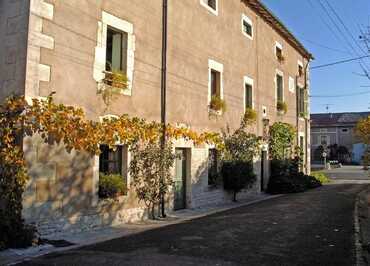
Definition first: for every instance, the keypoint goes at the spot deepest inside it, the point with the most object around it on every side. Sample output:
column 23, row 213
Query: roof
column 275, row 23
column 337, row 119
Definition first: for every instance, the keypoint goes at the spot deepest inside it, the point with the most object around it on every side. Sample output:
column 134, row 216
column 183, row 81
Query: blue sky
column 305, row 19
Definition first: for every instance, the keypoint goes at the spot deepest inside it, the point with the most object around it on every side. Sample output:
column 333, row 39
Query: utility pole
column 163, row 94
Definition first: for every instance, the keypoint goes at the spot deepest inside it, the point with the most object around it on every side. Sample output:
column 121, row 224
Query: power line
column 338, row 96
column 325, row 47
column 340, row 62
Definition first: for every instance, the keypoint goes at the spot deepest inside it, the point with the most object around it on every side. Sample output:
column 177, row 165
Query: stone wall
column 14, row 16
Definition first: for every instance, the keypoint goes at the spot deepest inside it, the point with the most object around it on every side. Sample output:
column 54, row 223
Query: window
column 279, row 88
column 215, row 83
column 212, row 166
column 110, row 161
column 247, row 28
column 116, row 50
column 279, row 51
column 301, row 101
column 345, row 130
column 211, row 5
column 248, row 93
column 324, row 140
column 300, row 69
column 291, row 84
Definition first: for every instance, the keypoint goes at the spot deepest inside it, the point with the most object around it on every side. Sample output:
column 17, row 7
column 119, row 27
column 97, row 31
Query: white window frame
column 280, row 73
column 204, row 3
column 109, row 20
column 299, row 64
column 278, row 45
column 214, row 65
column 292, row 85
column 245, row 18
column 248, row 81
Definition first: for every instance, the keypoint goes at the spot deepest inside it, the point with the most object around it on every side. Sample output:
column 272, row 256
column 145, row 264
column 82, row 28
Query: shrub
column 111, row 186
column 282, row 107
column 217, row 104
column 286, row 178
column 321, row 177
column 281, row 140
column 237, row 175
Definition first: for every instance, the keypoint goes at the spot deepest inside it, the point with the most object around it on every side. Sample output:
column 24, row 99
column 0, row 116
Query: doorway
column 180, row 179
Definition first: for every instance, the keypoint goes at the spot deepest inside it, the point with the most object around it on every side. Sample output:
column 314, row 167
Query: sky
column 309, row 22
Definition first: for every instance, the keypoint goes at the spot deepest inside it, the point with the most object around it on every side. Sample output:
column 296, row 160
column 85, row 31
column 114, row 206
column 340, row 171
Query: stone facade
column 65, row 46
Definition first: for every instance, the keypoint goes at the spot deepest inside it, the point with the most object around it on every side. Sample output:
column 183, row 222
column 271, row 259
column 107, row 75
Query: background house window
column 248, row 96
column 279, row 88
column 110, row 161
column 215, row 83
column 116, row 50
column 344, row 130
column 212, row 166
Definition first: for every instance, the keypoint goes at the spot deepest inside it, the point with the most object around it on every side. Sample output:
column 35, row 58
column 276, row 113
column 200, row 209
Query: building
column 337, row 129
column 235, row 50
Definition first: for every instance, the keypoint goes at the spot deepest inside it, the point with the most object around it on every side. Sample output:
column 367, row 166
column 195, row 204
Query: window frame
column 111, row 21
column 218, row 67
column 278, row 45
column 245, row 18
column 248, row 81
column 280, row 73
column 204, row 3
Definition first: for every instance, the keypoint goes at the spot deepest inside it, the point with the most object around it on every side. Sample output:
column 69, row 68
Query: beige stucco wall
column 13, row 34
column 63, row 186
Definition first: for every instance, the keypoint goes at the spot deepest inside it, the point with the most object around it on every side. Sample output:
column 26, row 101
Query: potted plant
column 250, row 117
column 282, row 107
column 217, row 104
column 116, row 79
column 111, row 186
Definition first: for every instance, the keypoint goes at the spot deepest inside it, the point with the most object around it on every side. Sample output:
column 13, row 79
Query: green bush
column 237, row 175
column 286, row 178
column 321, row 177
column 111, row 186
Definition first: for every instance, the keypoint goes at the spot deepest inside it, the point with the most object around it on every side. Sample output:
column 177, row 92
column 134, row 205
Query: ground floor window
column 112, row 171
column 212, row 167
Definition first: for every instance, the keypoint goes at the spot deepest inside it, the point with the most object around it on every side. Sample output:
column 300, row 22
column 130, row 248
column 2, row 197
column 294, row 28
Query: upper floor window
column 211, row 5
column 279, row 52
column 248, row 93
column 291, row 84
column 279, row 87
column 215, row 87
column 301, row 102
column 247, row 26
column 300, row 69
column 116, row 50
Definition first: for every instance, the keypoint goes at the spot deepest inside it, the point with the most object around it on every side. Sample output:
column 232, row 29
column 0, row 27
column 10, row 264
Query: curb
column 362, row 254
column 151, row 227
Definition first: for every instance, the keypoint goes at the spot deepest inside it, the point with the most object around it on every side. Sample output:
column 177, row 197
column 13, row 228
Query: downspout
column 163, row 90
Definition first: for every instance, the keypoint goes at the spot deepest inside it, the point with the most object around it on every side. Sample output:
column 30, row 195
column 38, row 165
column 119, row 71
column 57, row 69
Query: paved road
column 349, row 173
column 313, row 228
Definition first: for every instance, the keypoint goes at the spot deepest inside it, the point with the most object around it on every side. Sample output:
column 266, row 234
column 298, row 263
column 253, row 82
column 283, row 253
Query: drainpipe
column 163, row 89
column 306, row 120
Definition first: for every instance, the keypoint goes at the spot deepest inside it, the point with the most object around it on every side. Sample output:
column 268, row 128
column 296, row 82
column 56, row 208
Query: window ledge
column 102, row 86
column 214, row 112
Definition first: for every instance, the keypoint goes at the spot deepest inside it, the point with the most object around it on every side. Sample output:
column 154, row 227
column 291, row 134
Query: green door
column 180, row 180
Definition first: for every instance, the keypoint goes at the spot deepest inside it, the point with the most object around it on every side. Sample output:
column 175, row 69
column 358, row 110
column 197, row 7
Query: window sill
column 102, row 86
column 215, row 112
column 248, row 36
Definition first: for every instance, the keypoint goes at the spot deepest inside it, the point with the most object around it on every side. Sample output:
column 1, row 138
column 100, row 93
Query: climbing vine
column 281, row 140
column 58, row 123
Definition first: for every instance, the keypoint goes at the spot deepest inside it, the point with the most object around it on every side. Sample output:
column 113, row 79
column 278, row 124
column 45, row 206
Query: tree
column 281, row 140
column 150, row 169
column 362, row 131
